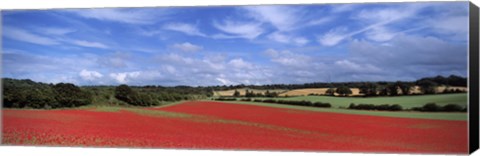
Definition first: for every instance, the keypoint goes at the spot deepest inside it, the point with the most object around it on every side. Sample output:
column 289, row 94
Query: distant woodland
column 29, row 94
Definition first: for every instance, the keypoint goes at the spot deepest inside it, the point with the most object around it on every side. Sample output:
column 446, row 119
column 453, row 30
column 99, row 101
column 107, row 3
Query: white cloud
column 295, row 67
column 410, row 56
column 282, row 38
column 276, row 36
column 170, row 69
column 378, row 17
column 224, row 36
column 336, row 35
column 224, row 81
column 173, row 57
column 281, row 17
column 194, row 70
column 319, row 21
column 287, row 58
column 239, row 63
column 45, row 68
column 380, row 34
column 456, row 25
column 124, row 77
column 360, row 59
column 248, row 30
column 187, row 47
column 115, row 60
column 25, row 36
column 89, row 44
column 184, row 28
column 389, row 14
column 300, row 41
column 146, row 75
column 131, row 16
column 333, row 37
column 350, row 66
column 90, row 75
column 285, row 18
column 213, row 64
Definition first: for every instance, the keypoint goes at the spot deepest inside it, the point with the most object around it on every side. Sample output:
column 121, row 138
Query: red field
column 215, row 125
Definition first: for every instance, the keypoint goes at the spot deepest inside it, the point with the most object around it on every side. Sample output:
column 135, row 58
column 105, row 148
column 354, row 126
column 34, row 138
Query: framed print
column 356, row 77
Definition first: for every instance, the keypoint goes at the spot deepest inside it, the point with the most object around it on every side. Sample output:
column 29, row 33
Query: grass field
column 401, row 114
column 405, row 101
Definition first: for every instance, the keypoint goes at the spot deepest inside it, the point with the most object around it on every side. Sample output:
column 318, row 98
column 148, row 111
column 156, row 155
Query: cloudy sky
column 236, row 45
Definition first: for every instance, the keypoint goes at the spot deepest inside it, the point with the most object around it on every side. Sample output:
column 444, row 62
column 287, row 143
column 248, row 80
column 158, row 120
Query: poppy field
column 217, row 125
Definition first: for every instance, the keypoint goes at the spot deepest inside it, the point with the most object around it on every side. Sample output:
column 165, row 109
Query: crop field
column 405, row 101
column 217, row 125
column 356, row 91
column 457, row 116
column 320, row 91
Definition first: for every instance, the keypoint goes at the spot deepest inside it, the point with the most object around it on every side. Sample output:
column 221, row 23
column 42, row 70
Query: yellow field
column 356, row 91
column 439, row 89
column 320, row 91
column 442, row 88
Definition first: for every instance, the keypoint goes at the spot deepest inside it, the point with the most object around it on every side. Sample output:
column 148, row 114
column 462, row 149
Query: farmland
column 308, row 91
column 64, row 114
column 386, row 78
column 405, row 101
column 402, row 114
column 204, row 124
column 322, row 91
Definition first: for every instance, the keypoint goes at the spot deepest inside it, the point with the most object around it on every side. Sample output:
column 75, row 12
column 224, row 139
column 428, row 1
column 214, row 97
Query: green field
column 401, row 114
column 405, row 101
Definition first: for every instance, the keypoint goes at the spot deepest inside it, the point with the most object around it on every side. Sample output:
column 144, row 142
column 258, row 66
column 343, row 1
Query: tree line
column 151, row 96
column 29, row 94
column 427, row 86
column 250, row 93
column 452, row 80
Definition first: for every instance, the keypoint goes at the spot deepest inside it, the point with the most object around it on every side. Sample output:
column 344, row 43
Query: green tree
column 405, row 87
column 249, row 93
column 330, row 92
column 125, row 93
column 270, row 94
column 382, row 90
column 143, row 97
column 343, row 91
column 236, row 93
column 368, row 89
column 27, row 93
column 427, row 86
column 69, row 95
column 392, row 89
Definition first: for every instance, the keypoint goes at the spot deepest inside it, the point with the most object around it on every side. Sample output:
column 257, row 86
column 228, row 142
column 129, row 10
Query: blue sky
column 224, row 45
